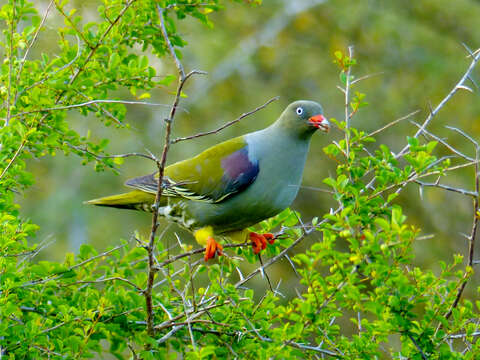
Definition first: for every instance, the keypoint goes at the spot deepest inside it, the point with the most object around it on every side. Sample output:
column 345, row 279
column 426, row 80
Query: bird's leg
column 212, row 248
column 260, row 241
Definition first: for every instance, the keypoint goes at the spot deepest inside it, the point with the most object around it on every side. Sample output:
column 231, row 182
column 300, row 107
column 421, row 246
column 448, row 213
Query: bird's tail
column 135, row 200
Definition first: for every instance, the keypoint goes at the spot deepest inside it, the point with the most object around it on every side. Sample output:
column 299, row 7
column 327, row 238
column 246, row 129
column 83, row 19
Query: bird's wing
column 212, row 176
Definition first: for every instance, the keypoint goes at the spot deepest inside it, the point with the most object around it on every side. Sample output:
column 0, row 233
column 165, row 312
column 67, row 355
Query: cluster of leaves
column 359, row 294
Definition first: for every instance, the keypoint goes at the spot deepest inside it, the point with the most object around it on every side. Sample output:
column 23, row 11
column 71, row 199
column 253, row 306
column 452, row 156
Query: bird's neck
column 289, row 130
column 276, row 141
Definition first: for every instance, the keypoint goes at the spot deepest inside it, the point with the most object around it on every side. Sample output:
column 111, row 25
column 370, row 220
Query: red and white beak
column 320, row 122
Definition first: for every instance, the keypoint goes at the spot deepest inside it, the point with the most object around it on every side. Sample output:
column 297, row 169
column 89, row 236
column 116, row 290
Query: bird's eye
column 299, row 111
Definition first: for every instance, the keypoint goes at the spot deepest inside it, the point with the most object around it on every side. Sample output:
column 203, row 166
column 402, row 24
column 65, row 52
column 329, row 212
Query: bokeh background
column 413, row 49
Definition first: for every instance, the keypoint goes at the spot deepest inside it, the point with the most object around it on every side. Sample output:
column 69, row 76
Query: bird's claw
column 259, row 241
column 212, row 248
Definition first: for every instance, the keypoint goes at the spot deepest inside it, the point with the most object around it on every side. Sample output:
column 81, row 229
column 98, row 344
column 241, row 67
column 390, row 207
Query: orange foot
column 260, row 241
column 212, row 248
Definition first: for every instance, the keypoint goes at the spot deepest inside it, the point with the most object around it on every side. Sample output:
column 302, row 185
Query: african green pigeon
column 232, row 185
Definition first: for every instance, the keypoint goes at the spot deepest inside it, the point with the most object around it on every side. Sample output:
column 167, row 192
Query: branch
column 175, row 5
column 161, row 167
column 448, row 188
column 459, row 85
column 415, row 177
column 10, row 63
column 461, row 336
column 230, row 123
column 394, row 122
column 101, row 157
column 471, row 238
column 34, row 39
column 178, row 64
column 94, row 49
column 424, row 357
column 49, row 75
column 99, row 281
column 14, row 157
column 307, row 231
column 443, row 142
column 197, row 251
column 87, row 103
column 347, row 103
column 56, row 275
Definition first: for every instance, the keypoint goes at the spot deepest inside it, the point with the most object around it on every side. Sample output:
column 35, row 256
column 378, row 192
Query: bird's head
column 304, row 118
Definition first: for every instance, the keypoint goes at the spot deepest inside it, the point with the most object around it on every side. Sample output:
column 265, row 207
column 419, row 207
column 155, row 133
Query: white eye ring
column 299, row 111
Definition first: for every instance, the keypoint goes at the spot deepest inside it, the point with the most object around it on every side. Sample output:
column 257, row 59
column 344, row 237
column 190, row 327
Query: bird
column 233, row 185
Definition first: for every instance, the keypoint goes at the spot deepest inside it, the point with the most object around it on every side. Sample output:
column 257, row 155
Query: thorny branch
column 434, row 112
column 471, row 238
column 161, row 167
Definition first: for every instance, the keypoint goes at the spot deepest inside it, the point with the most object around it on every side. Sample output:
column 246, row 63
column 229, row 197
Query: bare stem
column 100, row 41
column 230, row 123
column 152, row 269
column 471, row 238
column 87, row 103
column 394, row 122
column 10, row 64
column 434, row 112
column 12, row 160
column 347, row 103
column 34, row 39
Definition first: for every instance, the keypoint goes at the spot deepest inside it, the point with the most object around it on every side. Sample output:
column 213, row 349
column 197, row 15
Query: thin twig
column 197, row 251
column 424, row 357
column 415, row 177
column 50, row 74
column 365, row 77
column 347, row 103
column 10, row 64
column 87, row 103
column 445, row 100
column 230, row 123
column 264, row 272
column 80, row 264
column 464, row 134
column 471, row 238
column 172, row 6
column 100, row 41
column 166, row 38
column 275, row 258
column 460, row 336
column 152, row 269
column 101, row 157
column 14, row 157
column 448, row 188
column 34, row 39
column 443, row 142
column 99, row 281
column 394, row 122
